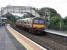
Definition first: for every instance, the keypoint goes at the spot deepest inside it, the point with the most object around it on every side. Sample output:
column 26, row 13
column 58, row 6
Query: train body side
column 32, row 23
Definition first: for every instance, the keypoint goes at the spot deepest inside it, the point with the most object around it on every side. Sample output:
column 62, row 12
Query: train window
column 39, row 21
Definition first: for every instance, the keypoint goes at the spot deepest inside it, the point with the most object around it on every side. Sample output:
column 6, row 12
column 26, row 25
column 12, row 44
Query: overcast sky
column 59, row 5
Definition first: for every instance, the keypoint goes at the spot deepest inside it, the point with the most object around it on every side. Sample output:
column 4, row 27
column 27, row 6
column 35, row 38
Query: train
column 33, row 24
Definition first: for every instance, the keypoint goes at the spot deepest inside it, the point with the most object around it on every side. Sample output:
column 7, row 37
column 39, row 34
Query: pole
column 47, row 12
column 60, row 24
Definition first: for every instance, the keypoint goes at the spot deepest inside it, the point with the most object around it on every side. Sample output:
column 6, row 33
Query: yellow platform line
column 24, row 40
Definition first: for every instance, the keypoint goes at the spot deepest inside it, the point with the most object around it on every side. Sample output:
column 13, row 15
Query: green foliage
column 65, row 23
column 65, row 20
column 55, row 22
column 43, row 10
column 11, row 17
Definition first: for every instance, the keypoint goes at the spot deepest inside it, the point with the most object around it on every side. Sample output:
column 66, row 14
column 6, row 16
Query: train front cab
column 38, row 25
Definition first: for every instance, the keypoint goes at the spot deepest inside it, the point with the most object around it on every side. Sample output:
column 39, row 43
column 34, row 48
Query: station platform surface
column 7, row 42
column 61, row 33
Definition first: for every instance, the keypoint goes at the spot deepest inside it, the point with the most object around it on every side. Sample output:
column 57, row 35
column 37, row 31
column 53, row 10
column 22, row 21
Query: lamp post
column 47, row 14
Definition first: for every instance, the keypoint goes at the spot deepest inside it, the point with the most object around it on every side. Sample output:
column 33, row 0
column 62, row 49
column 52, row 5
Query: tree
column 51, row 10
column 65, row 20
column 10, row 17
column 65, row 23
column 56, row 22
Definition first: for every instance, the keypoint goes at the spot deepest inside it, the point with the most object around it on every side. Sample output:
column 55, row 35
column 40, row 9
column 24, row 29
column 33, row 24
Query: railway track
column 50, row 41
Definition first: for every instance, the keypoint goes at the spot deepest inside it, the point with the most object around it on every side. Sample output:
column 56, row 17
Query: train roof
column 28, row 18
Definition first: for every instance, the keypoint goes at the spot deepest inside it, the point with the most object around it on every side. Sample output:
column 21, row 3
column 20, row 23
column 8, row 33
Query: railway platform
column 7, row 42
column 10, row 39
column 25, row 41
column 61, row 33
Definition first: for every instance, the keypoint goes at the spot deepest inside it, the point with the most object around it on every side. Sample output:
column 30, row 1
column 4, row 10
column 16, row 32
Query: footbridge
column 19, row 9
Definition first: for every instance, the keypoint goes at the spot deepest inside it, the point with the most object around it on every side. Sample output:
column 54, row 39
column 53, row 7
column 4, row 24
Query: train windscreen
column 39, row 21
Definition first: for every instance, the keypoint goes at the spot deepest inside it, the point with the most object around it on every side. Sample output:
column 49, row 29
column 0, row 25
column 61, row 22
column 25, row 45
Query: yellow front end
column 39, row 26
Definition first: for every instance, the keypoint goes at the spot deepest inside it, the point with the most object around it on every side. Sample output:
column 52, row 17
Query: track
column 50, row 41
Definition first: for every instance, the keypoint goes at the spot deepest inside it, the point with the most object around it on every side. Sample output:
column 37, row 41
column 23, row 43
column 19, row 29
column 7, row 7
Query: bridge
column 19, row 9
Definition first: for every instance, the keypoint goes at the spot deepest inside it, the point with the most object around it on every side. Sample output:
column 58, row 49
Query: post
column 60, row 25
column 47, row 13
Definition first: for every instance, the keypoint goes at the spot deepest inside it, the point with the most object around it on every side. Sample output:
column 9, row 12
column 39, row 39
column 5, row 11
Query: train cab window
column 39, row 21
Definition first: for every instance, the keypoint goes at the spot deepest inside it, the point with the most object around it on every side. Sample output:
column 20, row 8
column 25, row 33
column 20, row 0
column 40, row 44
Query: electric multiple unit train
column 35, row 24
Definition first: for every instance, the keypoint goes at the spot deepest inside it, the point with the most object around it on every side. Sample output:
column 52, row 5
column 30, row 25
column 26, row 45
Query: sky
column 59, row 5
